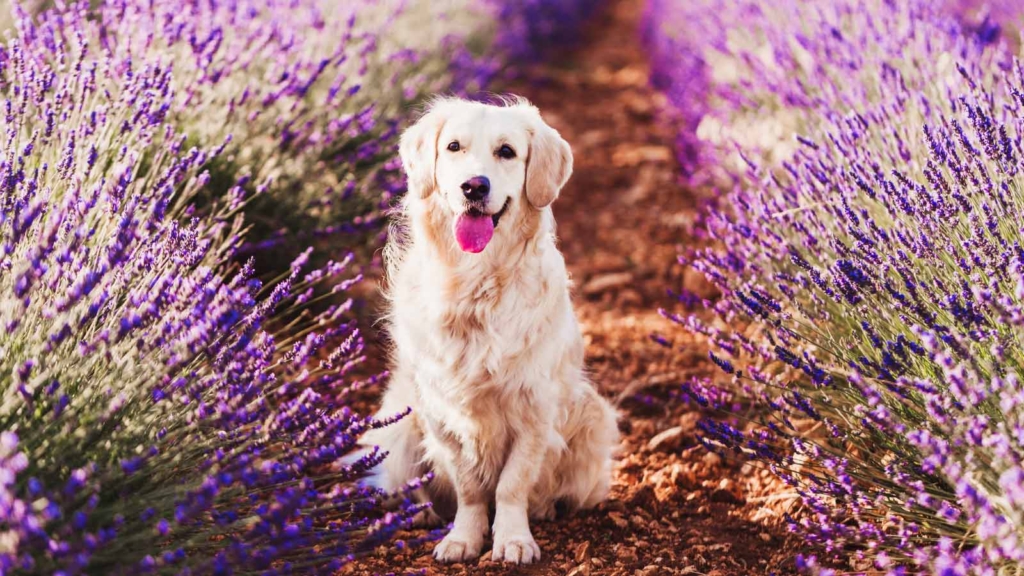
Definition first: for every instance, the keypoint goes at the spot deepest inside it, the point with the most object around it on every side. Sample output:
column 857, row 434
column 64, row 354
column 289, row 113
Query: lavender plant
column 745, row 77
column 149, row 419
column 1006, row 14
column 879, row 265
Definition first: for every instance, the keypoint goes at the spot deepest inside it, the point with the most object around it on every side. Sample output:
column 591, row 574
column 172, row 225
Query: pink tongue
column 473, row 232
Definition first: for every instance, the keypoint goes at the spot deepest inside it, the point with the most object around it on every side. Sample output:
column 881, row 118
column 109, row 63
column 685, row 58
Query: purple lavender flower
column 724, row 65
column 530, row 29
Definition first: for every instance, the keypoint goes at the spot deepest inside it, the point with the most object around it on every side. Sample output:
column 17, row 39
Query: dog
column 487, row 351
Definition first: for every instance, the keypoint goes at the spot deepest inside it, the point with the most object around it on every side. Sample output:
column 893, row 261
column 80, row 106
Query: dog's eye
column 454, row 146
column 506, row 152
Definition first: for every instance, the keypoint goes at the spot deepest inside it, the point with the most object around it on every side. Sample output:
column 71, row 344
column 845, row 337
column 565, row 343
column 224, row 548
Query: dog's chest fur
column 487, row 341
column 475, row 324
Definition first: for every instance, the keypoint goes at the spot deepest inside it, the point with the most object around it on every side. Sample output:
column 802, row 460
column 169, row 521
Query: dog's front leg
column 513, row 541
column 466, row 538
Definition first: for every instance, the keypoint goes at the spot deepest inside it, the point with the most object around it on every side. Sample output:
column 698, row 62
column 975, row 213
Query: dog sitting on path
column 487, row 349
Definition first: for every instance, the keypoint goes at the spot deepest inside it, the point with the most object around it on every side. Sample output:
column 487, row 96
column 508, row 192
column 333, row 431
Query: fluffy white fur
column 487, row 349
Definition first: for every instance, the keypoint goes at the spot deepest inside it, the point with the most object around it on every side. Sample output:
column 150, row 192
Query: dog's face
column 485, row 163
column 481, row 170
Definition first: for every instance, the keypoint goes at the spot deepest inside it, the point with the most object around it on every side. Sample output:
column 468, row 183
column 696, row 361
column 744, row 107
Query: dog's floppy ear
column 418, row 148
column 549, row 164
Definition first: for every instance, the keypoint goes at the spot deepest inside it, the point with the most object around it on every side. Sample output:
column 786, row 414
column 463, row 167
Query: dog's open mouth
column 474, row 229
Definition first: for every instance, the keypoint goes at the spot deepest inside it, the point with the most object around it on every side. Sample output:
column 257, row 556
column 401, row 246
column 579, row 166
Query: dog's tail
column 372, row 477
column 393, row 448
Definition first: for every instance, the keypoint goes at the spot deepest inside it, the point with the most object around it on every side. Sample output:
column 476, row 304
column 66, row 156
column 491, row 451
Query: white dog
column 487, row 349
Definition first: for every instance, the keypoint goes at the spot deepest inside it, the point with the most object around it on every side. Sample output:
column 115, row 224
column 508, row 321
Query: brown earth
column 623, row 218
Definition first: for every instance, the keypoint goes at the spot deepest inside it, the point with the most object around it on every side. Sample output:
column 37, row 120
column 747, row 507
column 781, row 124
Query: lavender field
column 795, row 230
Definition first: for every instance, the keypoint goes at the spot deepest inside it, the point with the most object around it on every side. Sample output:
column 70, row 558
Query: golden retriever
column 487, row 349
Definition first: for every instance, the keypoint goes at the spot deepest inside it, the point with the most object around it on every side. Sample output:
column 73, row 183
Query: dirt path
column 674, row 509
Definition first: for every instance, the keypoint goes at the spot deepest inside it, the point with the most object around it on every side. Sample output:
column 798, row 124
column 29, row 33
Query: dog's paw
column 515, row 548
column 458, row 548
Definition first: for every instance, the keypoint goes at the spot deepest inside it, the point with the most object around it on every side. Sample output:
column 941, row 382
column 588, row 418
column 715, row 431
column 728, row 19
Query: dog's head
column 486, row 163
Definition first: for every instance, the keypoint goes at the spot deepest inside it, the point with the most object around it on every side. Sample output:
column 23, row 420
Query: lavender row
column 151, row 422
column 869, row 237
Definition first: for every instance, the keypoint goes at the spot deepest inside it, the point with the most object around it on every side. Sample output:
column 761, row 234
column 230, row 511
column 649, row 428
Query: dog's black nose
column 476, row 188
